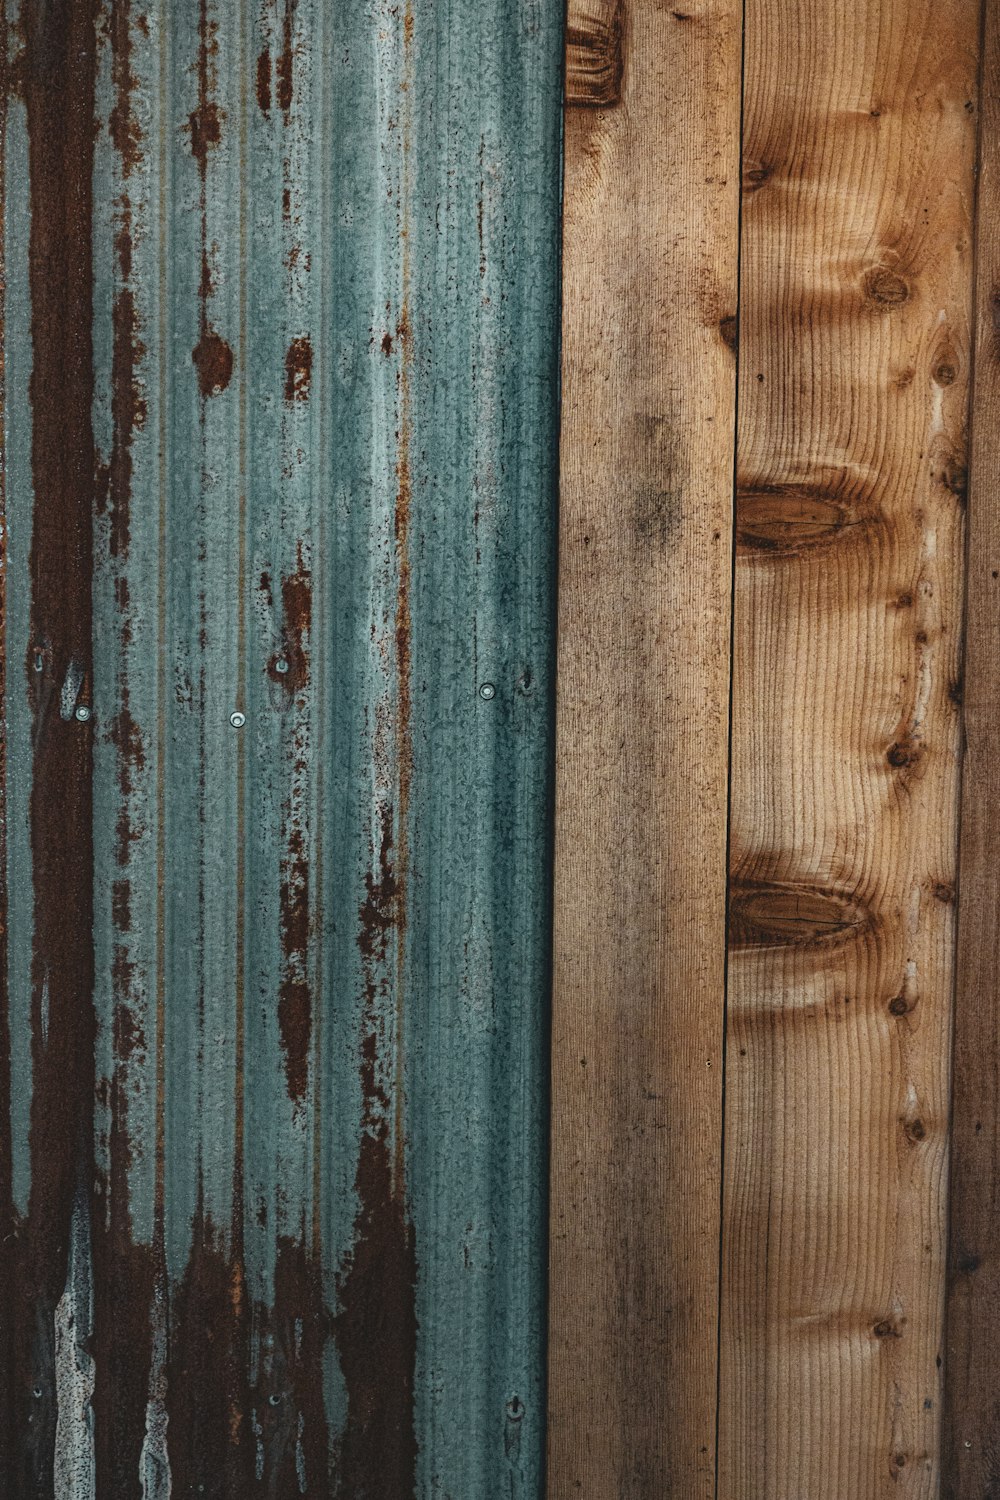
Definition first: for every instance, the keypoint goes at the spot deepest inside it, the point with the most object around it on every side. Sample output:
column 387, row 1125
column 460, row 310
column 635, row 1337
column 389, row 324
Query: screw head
column 237, row 720
column 83, row 713
column 487, row 691
column 281, row 665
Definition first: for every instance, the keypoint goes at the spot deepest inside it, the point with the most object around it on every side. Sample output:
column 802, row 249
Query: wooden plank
column 971, row 1439
column 651, row 231
column 854, row 363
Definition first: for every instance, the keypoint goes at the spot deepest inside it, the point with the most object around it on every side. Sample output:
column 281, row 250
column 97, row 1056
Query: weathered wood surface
column 651, row 210
column 859, row 136
column 971, row 1440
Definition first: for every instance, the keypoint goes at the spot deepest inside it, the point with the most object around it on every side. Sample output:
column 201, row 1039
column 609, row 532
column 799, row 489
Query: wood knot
column 885, row 1328
column 773, row 913
column 756, row 174
column 729, row 330
column 955, row 477
column 595, row 59
column 904, row 753
column 786, row 519
column 886, row 288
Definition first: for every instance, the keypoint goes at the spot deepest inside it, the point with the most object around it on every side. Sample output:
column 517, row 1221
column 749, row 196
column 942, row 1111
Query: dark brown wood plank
column 651, row 231
column 971, row 1440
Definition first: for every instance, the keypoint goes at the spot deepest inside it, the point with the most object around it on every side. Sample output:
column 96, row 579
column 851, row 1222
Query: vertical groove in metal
column 279, row 382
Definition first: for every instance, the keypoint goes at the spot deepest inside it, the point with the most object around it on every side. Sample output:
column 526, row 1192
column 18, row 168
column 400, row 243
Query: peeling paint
column 75, row 1469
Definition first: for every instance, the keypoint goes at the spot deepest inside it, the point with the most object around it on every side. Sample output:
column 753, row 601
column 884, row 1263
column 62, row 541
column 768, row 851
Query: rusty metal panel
column 279, row 285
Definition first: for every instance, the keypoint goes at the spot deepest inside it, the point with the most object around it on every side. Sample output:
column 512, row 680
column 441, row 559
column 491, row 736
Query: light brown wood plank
column 854, row 365
column 971, row 1443
column 651, row 231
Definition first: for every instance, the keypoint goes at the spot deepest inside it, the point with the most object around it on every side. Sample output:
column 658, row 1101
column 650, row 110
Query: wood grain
column 859, row 141
column 651, row 230
column 971, row 1440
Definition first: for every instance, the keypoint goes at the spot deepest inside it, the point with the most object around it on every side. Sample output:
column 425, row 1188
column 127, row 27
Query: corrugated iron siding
column 279, row 385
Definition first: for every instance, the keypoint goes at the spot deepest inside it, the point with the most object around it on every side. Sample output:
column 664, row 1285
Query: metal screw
column 515, row 1409
column 83, row 713
column 487, row 691
column 281, row 665
column 237, row 720
column 275, row 1400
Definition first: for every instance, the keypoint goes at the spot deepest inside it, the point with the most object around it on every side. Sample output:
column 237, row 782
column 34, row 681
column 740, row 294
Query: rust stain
column 264, row 82
column 212, row 355
column 58, row 75
column 284, row 63
column 290, row 668
column 209, row 1440
column 288, row 1398
column 376, row 1321
column 205, row 126
column 298, row 369
column 128, row 407
column 126, row 133
column 125, row 1273
column 375, row 1324
column 295, row 995
column 213, row 359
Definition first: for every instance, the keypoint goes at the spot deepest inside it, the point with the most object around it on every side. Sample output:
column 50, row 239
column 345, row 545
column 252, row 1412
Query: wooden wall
column 770, row 277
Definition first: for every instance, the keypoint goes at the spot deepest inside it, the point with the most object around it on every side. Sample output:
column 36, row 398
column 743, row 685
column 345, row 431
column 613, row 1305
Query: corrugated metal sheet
column 279, row 382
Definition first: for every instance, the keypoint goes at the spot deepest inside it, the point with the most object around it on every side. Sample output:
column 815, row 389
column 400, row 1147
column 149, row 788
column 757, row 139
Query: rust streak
column 58, row 80
column 298, row 369
column 264, row 82
column 126, row 133
column 283, row 66
column 213, row 359
column 375, row 1325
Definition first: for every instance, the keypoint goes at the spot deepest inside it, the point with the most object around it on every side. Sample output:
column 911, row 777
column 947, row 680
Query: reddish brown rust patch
column 295, row 995
column 128, row 407
column 126, row 133
column 288, row 1396
column 284, row 63
column 264, row 82
column 210, row 1443
column 290, row 668
column 205, row 126
column 298, row 369
column 213, row 360
column 58, row 73
column 240, row 1424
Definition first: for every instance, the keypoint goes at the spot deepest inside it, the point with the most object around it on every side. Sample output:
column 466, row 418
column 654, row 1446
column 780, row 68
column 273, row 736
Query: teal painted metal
column 279, row 399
